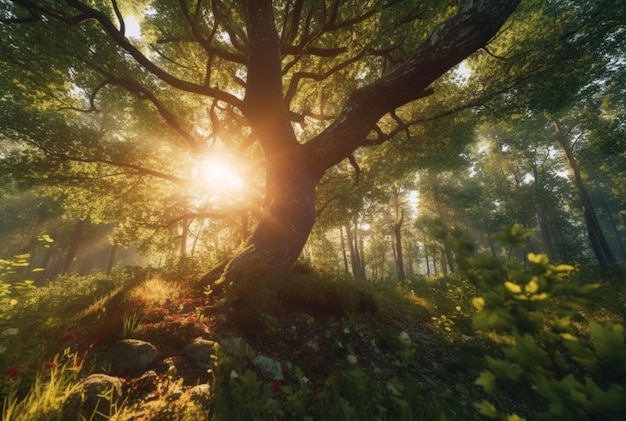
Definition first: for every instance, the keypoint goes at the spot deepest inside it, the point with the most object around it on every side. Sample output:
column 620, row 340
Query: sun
column 219, row 177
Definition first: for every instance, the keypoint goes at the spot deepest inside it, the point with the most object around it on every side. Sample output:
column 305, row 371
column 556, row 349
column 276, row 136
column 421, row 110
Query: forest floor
column 346, row 351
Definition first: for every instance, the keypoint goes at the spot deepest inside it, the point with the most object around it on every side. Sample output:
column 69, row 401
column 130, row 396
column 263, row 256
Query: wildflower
column 192, row 319
column 404, row 338
column 233, row 374
column 149, row 326
column 12, row 373
column 304, row 380
column 346, row 330
column 352, row 359
column 50, row 365
column 277, row 384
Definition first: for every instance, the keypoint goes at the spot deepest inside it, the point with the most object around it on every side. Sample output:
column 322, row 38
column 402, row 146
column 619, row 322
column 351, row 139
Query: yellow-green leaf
column 514, row 288
column 479, row 303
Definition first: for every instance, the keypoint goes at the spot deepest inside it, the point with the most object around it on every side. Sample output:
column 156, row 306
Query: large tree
column 309, row 82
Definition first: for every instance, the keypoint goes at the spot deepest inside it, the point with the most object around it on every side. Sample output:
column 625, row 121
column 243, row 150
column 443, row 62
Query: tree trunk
column 617, row 234
column 397, row 233
column 73, row 247
column 286, row 221
column 111, row 262
column 600, row 247
column 343, row 252
column 355, row 256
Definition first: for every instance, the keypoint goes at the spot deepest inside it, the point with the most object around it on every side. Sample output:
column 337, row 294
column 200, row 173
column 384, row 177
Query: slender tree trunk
column 600, row 247
column 183, row 238
column 74, row 244
column 492, row 246
column 343, row 252
column 355, row 255
column 111, row 262
column 397, row 233
column 410, row 255
column 617, row 234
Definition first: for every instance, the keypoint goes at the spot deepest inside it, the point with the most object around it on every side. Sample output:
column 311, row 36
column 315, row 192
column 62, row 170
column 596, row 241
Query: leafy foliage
column 577, row 375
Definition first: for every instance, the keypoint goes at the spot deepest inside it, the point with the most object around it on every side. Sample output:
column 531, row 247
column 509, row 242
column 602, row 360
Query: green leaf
column 487, row 409
column 487, row 380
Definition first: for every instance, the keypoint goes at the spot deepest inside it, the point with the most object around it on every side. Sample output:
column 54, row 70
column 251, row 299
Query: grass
column 350, row 351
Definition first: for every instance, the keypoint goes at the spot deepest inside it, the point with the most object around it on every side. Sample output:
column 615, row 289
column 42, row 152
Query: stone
column 130, row 356
column 199, row 353
column 95, row 398
column 201, row 395
column 268, row 366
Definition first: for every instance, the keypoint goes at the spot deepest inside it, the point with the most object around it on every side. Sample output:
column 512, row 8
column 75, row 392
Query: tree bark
column 343, row 252
column 73, row 247
column 600, row 246
column 397, row 233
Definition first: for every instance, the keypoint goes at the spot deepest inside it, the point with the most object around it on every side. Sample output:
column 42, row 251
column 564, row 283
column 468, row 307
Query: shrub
column 574, row 376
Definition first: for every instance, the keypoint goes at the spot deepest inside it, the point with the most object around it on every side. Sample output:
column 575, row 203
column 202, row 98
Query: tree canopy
column 266, row 116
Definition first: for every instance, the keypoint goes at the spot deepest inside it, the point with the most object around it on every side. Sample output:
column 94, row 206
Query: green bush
column 574, row 375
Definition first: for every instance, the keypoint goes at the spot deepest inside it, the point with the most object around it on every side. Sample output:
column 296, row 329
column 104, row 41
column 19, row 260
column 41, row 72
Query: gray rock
column 130, row 356
column 201, row 395
column 199, row 353
column 94, row 398
column 233, row 345
column 268, row 366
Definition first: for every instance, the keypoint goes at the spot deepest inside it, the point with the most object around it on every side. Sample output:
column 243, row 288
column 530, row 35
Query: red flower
column 12, row 373
column 277, row 384
column 149, row 326
column 51, row 365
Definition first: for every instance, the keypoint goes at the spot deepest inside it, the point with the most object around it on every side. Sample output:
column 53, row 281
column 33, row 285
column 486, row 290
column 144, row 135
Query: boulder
column 130, row 357
column 199, row 353
column 95, row 398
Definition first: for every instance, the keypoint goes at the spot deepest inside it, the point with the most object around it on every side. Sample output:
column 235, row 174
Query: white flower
column 352, row 359
column 346, row 330
column 233, row 374
column 304, row 380
column 404, row 338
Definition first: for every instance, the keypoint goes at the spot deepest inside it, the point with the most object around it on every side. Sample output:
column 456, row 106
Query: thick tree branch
column 296, row 78
column 454, row 40
column 144, row 94
column 86, row 13
column 139, row 170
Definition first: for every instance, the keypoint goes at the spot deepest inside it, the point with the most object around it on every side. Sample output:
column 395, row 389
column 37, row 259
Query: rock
column 233, row 344
column 130, row 356
column 268, row 366
column 199, row 353
column 201, row 395
column 144, row 385
column 94, row 398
